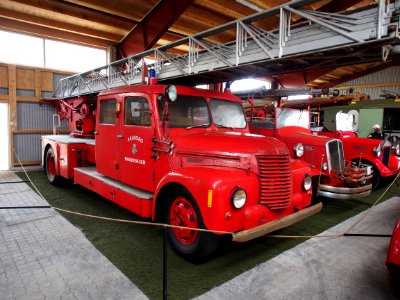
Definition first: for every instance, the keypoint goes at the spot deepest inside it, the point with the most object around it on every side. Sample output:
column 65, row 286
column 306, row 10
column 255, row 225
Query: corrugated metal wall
column 27, row 147
column 57, row 78
column 39, row 116
column 33, row 116
column 26, row 93
column 389, row 75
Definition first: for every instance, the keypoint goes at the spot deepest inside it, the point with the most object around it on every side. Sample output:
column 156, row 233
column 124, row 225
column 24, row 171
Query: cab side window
column 137, row 111
column 108, row 111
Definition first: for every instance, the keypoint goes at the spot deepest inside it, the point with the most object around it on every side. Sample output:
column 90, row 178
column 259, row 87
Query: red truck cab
column 185, row 157
column 333, row 177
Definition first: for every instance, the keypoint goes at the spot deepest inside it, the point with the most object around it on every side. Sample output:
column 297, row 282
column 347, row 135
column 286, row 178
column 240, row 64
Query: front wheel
column 193, row 245
column 375, row 180
column 51, row 167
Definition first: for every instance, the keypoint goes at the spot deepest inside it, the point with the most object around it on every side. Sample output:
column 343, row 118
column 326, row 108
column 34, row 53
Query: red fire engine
column 333, row 177
column 377, row 153
column 182, row 156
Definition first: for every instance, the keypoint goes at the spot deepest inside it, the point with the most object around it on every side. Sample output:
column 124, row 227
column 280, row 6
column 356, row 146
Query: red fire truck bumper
column 247, row 235
column 344, row 193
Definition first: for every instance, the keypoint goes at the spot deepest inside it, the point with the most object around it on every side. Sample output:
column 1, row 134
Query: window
column 21, row 49
column 70, row 57
column 227, row 114
column 108, row 111
column 137, row 111
column 38, row 52
column 187, row 111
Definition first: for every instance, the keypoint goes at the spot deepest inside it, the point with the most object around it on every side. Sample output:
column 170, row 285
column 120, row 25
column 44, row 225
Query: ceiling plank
column 62, row 11
column 130, row 9
column 30, row 19
column 235, row 10
column 51, row 33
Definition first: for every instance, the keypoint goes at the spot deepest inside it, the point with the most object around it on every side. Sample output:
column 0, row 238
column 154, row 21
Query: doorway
column 4, row 138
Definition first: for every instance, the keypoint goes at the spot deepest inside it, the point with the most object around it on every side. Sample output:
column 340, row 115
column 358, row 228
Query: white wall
column 4, row 138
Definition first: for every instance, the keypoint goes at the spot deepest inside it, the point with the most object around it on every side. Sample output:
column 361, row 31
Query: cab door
column 136, row 165
column 106, row 138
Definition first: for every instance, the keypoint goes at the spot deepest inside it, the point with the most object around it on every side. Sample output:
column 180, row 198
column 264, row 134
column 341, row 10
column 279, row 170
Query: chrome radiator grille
column 386, row 149
column 275, row 181
column 334, row 149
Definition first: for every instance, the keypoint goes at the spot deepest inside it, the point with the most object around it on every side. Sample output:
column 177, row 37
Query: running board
column 136, row 200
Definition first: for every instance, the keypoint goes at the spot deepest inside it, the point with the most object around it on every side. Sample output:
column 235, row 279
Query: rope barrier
column 342, row 234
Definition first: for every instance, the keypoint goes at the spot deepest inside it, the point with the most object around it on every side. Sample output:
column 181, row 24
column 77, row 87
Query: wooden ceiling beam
column 67, row 12
column 132, row 9
column 45, row 23
column 50, row 33
column 156, row 22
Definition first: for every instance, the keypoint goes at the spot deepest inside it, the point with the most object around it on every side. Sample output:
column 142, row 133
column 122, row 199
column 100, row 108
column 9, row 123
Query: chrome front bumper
column 344, row 193
column 249, row 234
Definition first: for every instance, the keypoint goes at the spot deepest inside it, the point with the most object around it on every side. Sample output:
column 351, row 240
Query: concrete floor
column 43, row 256
column 324, row 268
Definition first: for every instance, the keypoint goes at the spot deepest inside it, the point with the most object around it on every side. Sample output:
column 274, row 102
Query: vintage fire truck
column 333, row 177
column 182, row 156
column 380, row 154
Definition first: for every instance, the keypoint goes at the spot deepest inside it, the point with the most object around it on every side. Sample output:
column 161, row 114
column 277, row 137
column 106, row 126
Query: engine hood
column 295, row 134
column 228, row 143
column 362, row 143
column 224, row 149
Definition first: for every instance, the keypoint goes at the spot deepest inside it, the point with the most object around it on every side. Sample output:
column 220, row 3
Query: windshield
column 187, row 111
column 227, row 114
column 292, row 117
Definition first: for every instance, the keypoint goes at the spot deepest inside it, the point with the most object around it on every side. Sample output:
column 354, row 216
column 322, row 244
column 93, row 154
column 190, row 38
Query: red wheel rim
column 182, row 213
column 51, row 166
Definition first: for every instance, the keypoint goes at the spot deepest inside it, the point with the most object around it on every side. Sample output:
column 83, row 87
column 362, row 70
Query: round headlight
column 307, row 183
column 396, row 149
column 325, row 166
column 239, row 198
column 377, row 151
column 299, row 150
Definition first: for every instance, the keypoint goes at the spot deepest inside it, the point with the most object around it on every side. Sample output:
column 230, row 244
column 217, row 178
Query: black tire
column 50, row 165
column 376, row 178
column 194, row 246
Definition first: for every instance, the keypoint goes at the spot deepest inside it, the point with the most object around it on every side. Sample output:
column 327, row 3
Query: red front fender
column 212, row 188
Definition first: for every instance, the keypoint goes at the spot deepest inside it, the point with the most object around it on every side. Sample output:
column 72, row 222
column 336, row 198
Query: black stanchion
column 165, row 282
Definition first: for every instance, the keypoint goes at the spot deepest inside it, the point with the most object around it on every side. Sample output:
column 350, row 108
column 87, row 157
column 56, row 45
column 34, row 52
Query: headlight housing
column 238, row 198
column 299, row 150
column 377, row 151
column 307, row 182
column 324, row 166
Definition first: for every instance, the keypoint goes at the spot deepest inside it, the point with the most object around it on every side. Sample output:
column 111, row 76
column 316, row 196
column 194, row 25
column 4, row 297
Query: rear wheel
column 193, row 245
column 51, row 167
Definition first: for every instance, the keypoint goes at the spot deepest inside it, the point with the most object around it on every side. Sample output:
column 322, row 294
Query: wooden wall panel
column 3, row 77
column 25, row 79
column 47, row 81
